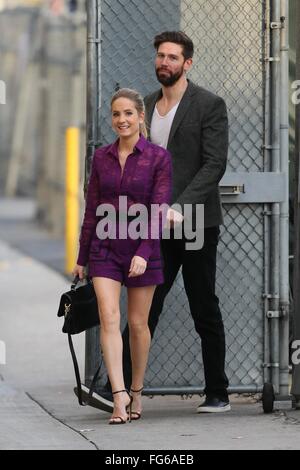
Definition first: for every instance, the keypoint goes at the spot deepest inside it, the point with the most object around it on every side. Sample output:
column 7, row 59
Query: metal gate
column 240, row 54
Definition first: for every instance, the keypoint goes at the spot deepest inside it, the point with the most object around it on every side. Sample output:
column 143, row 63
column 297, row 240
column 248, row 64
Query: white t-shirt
column 161, row 126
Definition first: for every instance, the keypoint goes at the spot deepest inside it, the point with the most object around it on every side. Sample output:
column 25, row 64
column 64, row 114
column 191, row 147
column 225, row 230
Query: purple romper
column 146, row 179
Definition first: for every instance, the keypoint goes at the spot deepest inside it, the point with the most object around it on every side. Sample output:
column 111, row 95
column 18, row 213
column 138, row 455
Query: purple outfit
column 146, row 179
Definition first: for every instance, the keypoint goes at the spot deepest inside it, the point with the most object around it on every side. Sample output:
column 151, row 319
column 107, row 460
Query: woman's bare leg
column 139, row 303
column 108, row 297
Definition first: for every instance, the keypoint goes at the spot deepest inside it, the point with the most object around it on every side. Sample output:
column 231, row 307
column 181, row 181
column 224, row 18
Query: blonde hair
column 137, row 99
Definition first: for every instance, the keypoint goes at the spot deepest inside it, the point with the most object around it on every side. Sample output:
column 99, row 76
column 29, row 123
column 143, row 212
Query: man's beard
column 171, row 79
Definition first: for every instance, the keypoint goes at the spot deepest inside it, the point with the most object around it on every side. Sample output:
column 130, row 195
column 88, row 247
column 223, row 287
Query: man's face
column 170, row 64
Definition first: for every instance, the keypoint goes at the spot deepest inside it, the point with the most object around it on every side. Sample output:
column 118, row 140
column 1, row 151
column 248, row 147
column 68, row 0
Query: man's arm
column 214, row 148
column 161, row 195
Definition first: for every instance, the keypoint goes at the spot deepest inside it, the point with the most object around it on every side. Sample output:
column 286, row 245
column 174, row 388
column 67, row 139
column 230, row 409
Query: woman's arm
column 90, row 219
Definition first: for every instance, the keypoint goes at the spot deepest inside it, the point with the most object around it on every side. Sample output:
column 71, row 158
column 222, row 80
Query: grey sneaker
column 103, row 402
column 214, row 405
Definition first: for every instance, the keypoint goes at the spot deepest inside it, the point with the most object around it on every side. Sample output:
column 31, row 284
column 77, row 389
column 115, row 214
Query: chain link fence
column 229, row 39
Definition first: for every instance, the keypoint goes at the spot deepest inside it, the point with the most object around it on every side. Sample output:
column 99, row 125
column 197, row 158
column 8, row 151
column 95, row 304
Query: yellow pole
column 72, row 199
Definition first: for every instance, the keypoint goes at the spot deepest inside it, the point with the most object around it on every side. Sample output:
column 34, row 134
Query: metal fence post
column 284, row 209
column 92, row 348
column 275, row 167
column 296, row 271
column 266, row 207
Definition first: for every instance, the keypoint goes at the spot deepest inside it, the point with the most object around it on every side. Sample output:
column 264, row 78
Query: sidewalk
column 39, row 410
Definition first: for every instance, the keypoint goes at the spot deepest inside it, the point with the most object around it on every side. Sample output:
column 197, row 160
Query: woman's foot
column 122, row 402
column 136, row 411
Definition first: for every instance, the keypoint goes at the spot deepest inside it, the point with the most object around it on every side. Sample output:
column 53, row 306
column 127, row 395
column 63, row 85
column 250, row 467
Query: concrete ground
column 38, row 408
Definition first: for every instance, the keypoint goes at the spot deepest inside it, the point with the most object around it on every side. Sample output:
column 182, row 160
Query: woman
column 141, row 171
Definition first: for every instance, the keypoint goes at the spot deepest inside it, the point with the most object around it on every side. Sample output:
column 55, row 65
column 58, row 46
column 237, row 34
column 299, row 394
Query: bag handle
column 77, row 375
column 77, row 279
column 75, row 282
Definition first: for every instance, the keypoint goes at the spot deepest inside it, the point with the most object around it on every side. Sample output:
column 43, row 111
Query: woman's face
column 125, row 118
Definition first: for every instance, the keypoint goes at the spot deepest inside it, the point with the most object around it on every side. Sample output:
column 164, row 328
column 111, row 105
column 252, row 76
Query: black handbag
column 79, row 307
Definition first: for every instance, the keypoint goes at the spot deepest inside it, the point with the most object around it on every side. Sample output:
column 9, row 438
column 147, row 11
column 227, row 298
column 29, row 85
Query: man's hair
column 178, row 37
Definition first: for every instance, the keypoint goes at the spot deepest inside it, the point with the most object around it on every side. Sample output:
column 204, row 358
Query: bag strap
column 77, row 279
column 77, row 375
column 75, row 282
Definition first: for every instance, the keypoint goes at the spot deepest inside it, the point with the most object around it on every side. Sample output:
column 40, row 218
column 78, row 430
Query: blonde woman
column 140, row 170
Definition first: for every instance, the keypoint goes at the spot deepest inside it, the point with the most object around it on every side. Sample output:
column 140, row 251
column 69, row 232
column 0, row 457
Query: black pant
column 199, row 272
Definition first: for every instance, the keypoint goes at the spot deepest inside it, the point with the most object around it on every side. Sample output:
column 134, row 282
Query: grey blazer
column 198, row 143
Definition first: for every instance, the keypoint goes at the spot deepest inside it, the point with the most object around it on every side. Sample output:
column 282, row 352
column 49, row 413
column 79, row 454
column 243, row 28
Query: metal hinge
column 270, row 296
column 94, row 40
column 270, row 147
column 266, row 213
column 272, row 59
column 278, row 24
column 270, row 364
column 274, row 314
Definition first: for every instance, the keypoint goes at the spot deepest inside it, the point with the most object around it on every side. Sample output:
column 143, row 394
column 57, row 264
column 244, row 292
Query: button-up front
column 145, row 179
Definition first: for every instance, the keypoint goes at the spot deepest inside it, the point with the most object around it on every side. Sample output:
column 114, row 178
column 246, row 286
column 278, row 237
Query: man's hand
column 173, row 218
column 79, row 271
column 137, row 267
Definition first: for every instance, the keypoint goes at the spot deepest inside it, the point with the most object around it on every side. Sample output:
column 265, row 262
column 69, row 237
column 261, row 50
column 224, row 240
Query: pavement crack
column 61, row 421
column 285, row 418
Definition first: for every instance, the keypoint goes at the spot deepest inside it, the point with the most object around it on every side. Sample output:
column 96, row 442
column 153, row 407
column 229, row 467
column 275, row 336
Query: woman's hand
column 137, row 267
column 79, row 271
column 173, row 218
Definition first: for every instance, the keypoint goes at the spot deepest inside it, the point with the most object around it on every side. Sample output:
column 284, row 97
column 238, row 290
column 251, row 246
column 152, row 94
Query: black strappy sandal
column 137, row 414
column 122, row 420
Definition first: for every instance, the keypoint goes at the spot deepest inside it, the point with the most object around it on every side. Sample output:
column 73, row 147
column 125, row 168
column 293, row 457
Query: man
column 192, row 124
